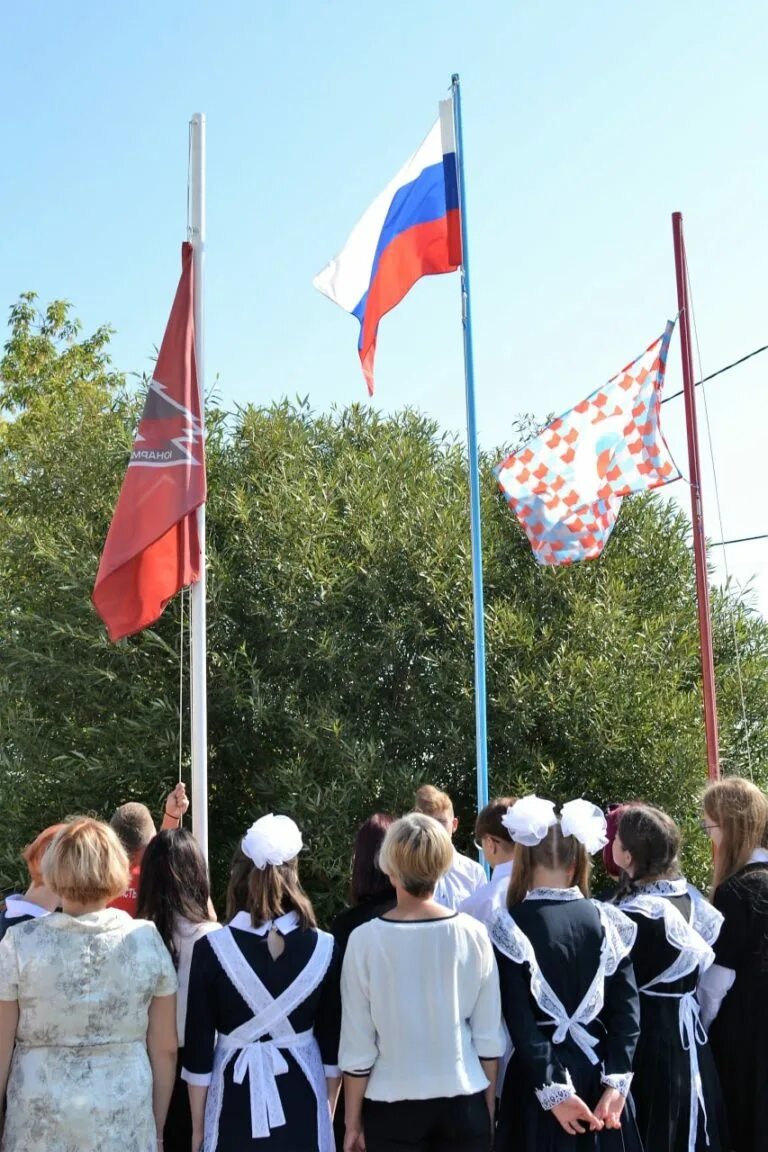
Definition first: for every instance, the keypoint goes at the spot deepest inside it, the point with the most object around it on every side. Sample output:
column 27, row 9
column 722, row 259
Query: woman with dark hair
column 568, row 993
column 675, row 1087
column 734, row 992
column 264, row 1011
column 371, row 892
column 174, row 893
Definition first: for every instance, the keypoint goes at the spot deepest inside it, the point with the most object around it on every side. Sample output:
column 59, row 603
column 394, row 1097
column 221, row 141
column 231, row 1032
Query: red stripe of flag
column 152, row 549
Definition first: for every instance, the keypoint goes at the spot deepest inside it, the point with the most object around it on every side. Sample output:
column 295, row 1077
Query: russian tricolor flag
column 411, row 230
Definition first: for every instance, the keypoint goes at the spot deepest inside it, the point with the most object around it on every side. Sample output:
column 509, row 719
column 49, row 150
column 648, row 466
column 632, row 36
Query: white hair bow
column 529, row 820
column 272, row 840
column 586, row 822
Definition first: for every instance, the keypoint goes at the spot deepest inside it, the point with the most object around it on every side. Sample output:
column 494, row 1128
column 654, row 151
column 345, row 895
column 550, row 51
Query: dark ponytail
column 653, row 840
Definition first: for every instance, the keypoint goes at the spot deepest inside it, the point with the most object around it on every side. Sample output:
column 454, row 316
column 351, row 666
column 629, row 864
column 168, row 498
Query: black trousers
column 448, row 1124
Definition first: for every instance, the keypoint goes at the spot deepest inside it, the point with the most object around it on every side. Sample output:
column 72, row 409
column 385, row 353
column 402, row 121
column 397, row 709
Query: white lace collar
column 677, row 887
column 283, row 924
column 555, row 894
column 618, row 938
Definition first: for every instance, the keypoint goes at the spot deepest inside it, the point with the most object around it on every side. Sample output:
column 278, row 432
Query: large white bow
column 529, row 820
column 586, row 822
column 272, row 840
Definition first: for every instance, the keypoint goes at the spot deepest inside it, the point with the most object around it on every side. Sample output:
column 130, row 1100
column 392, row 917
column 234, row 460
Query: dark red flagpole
column 697, row 514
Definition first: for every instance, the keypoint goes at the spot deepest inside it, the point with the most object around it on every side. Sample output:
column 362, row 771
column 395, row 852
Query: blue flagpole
column 481, row 726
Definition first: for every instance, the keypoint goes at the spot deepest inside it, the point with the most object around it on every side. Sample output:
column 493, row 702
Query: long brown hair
column 740, row 810
column 554, row 851
column 267, row 893
column 173, row 884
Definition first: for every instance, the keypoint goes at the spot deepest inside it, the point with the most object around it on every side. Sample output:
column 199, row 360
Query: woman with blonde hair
column 734, row 992
column 87, row 1010
column 421, row 1031
column 263, row 1010
column 568, row 992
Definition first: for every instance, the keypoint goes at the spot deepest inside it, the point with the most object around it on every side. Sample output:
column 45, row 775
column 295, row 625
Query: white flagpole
column 199, row 709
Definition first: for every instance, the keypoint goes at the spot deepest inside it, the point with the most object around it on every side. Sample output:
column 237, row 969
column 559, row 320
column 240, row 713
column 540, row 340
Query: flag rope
column 181, row 683
column 710, row 441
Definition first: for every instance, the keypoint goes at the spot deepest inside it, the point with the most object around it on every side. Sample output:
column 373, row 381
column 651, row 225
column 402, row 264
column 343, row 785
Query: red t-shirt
column 129, row 900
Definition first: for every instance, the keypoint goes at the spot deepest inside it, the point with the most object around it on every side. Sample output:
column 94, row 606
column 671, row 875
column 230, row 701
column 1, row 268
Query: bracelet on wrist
column 173, row 815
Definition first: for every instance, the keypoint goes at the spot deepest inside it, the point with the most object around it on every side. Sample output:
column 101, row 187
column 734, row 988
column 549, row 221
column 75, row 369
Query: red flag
column 153, row 549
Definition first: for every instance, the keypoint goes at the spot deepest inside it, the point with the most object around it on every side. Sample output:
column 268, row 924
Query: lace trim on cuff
column 553, row 1094
column 621, row 1081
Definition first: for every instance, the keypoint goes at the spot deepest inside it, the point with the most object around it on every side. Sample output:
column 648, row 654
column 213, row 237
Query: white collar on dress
column 759, row 856
column 501, row 871
column 677, row 887
column 16, row 906
column 555, row 894
column 283, row 924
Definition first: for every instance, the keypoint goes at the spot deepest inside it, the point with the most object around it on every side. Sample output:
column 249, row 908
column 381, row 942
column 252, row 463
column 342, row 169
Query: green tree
column 340, row 627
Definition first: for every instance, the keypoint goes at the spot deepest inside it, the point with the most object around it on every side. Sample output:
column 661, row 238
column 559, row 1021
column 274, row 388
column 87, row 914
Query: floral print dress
column 80, row 1078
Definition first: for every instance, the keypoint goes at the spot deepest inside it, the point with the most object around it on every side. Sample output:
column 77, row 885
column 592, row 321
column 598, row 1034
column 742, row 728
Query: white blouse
column 420, row 1007
column 185, row 937
column 486, row 900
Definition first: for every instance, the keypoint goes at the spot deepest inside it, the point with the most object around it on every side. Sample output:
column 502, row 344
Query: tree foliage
column 340, row 626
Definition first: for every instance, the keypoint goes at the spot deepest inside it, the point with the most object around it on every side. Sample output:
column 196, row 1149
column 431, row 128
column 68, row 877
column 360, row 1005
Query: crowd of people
column 459, row 1012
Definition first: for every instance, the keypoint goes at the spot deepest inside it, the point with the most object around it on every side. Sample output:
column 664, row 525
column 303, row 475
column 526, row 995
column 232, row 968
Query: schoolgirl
column 264, row 1012
column 675, row 1087
column 175, row 894
column 493, row 840
column 568, row 992
column 734, row 992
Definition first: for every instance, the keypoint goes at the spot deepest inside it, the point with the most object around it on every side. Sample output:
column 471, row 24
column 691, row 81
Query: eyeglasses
column 707, row 827
column 478, row 846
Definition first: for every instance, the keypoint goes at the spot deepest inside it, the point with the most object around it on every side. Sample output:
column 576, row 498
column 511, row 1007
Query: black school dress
column 675, row 1086
column 571, row 1005
column 739, row 1033
column 263, row 1033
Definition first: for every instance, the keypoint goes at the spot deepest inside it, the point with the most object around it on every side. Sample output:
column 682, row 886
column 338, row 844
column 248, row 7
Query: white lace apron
column 692, row 939
column 618, row 938
column 260, row 1060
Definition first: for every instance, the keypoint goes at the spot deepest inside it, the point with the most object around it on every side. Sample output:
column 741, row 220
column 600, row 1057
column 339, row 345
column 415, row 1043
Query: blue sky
column 585, row 126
